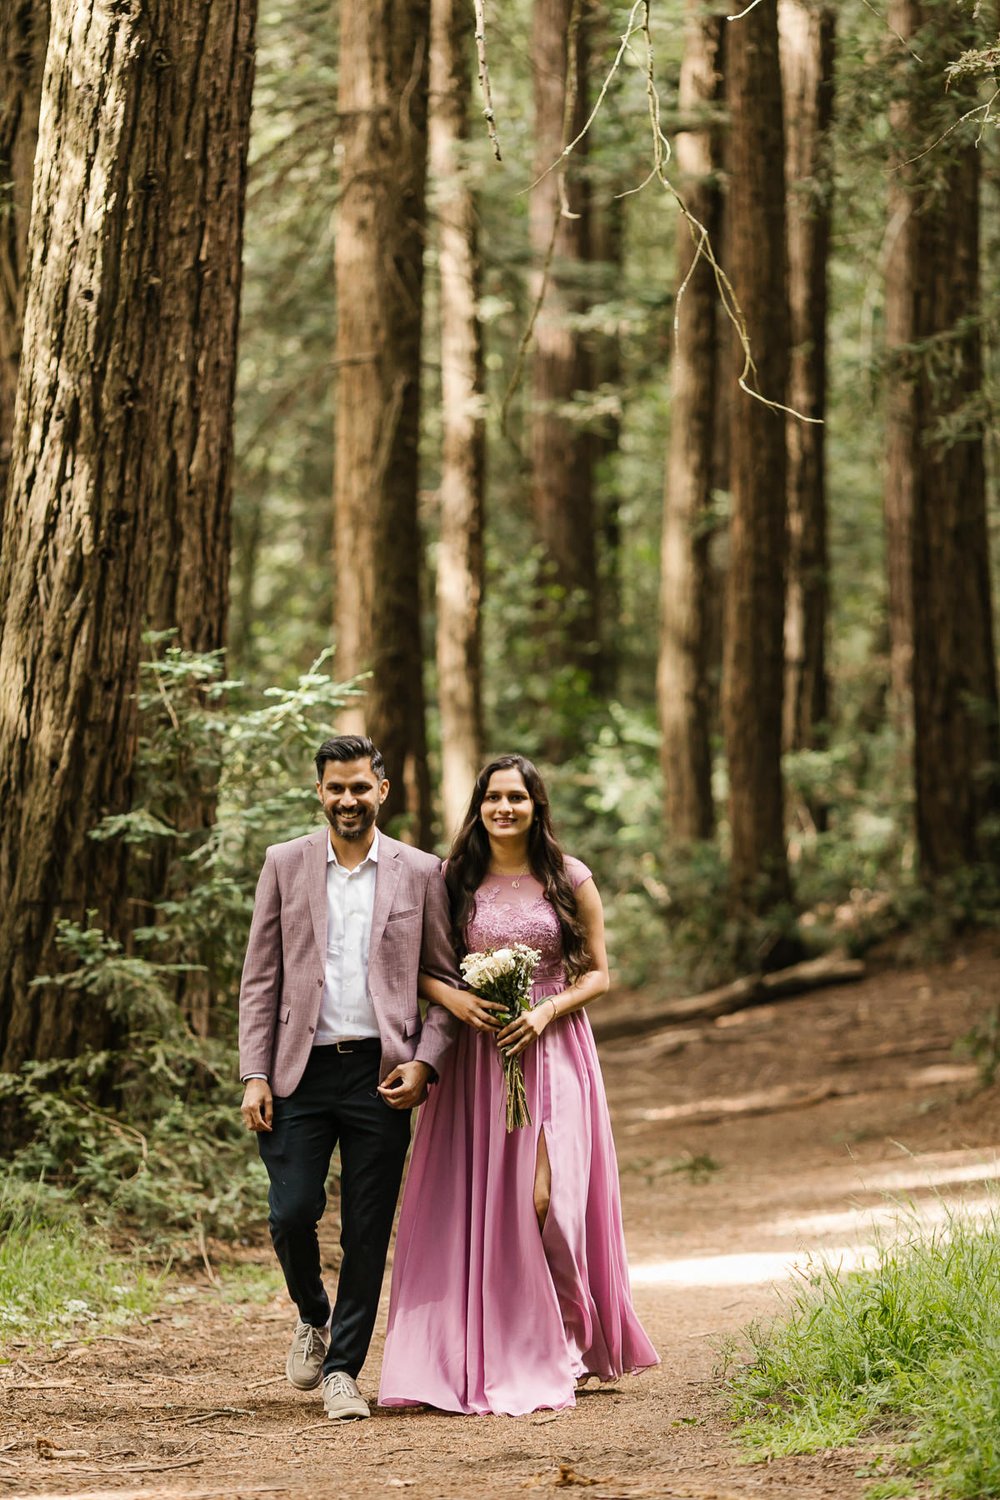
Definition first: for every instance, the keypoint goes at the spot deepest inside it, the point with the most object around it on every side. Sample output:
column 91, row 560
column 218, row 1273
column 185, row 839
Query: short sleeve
column 577, row 871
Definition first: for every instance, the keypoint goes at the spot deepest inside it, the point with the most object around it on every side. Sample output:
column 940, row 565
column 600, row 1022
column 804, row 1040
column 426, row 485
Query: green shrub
column 909, row 1349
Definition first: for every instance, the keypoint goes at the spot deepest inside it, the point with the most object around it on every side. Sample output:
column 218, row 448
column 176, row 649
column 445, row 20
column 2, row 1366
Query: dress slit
column 542, row 1146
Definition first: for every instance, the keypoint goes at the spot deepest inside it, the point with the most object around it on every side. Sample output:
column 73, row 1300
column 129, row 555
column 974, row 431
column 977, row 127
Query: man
column 332, row 1049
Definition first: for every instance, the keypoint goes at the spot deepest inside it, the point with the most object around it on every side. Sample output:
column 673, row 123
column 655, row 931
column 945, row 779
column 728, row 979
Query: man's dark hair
column 350, row 747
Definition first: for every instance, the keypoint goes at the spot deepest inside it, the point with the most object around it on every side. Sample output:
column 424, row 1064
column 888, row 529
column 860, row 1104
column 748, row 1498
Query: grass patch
column 250, row 1283
column 909, row 1349
column 59, row 1278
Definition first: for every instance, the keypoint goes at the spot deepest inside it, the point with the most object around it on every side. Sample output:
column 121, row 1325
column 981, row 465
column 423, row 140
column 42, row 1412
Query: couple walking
column 510, row 1283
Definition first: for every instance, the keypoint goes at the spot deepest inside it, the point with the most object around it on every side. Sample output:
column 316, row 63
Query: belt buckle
column 344, row 1046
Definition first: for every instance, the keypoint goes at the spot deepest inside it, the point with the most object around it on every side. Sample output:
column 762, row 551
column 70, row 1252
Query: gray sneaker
column 342, row 1399
column 304, row 1365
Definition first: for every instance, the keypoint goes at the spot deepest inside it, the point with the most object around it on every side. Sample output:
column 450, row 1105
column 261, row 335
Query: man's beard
column 357, row 827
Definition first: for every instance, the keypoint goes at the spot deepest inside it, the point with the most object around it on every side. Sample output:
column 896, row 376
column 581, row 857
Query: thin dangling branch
column 484, row 78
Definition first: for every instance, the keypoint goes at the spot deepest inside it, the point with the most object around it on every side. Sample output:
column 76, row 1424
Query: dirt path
column 774, row 1132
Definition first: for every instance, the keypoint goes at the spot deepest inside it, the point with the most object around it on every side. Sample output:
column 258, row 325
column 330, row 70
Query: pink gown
column 486, row 1312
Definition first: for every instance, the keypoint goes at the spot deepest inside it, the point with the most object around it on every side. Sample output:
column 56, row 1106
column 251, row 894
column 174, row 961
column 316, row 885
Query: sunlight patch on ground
column 928, row 1172
column 753, row 1268
column 892, row 1222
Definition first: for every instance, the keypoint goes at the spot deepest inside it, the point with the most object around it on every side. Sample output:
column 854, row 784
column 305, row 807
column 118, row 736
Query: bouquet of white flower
column 503, row 975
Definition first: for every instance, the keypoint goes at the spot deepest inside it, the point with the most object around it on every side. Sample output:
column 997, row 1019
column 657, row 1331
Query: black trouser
column 336, row 1101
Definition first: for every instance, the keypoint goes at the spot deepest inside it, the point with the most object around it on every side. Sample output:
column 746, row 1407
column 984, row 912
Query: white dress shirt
column 346, row 1011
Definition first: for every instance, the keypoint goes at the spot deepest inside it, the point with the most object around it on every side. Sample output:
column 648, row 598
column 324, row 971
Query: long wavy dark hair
column 469, row 862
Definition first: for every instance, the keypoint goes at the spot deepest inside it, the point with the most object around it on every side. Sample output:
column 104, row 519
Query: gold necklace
column 516, row 882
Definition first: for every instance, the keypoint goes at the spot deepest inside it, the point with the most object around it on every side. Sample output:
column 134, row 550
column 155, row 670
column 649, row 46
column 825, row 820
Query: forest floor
column 773, row 1135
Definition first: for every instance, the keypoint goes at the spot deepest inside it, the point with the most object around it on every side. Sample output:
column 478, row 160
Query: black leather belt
column 359, row 1044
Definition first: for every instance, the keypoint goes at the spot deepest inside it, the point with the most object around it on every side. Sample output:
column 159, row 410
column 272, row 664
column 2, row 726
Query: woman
column 510, row 1282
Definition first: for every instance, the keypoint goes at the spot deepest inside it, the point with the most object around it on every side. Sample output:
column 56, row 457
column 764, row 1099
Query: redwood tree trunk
column 807, row 33
column 379, row 269
column 562, row 451
column 85, row 476
column 24, row 27
column 211, row 82
column 935, row 489
column 189, row 541
column 753, row 659
column 682, row 689
column 607, row 269
column 460, row 545
column 901, row 429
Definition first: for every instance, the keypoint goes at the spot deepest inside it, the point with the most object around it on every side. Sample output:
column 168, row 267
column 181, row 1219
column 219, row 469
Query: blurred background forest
column 587, row 482
column 311, row 372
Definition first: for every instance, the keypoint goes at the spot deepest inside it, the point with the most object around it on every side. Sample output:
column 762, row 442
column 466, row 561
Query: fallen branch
column 752, row 989
column 792, row 1096
column 178, row 1463
column 657, row 1046
column 219, row 1411
column 888, row 1049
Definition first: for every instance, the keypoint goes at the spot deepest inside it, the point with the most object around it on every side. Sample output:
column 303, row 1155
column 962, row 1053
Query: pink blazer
column 283, row 973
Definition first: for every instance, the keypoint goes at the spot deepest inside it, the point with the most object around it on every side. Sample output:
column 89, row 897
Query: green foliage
column 909, row 1350
column 57, row 1277
column 982, row 1044
column 150, row 1133
column 668, row 908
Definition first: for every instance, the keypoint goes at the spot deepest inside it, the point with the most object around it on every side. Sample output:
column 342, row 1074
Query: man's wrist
column 246, row 1077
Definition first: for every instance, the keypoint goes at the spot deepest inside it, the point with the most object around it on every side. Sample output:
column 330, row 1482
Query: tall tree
column 754, row 618
column 938, row 543
column 460, row 546
column 85, row 473
column 606, row 249
column 562, row 451
column 682, row 688
column 379, row 281
column 24, row 27
column 807, row 38
column 190, row 512
column 210, row 85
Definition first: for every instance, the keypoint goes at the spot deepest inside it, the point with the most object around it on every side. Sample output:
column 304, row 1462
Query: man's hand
column 257, row 1108
column 406, row 1086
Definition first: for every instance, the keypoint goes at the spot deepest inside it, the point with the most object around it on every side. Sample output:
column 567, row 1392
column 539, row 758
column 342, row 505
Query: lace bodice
column 504, row 915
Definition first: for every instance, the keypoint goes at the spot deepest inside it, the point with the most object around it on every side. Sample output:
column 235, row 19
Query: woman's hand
column 525, row 1028
column 474, row 1011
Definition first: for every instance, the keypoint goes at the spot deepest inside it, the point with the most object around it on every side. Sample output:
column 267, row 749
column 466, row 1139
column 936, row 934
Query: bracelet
column 555, row 1013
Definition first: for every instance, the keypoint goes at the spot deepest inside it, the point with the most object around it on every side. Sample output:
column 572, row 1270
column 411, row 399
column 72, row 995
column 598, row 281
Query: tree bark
column 807, row 39
column 189, row 540
column 211, row 81
column 379, row 280
column 901, row 433
column 562, row 450
column 754, row 620
column 607, row 268
column 24, row 28
column 463, row 450
column 935, row 486
column 85, row 477
column 682, row 688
